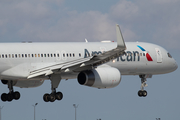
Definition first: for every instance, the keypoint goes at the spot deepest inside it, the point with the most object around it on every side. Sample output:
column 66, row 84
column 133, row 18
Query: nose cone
column 175, row 65
column 170, row 65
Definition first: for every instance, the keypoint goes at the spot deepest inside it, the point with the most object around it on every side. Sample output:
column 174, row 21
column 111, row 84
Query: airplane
column 94, row 64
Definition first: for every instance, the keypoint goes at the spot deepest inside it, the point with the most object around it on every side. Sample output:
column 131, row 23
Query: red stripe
column 149, row 57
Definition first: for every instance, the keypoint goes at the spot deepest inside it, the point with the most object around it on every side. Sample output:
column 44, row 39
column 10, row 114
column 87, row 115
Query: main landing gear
column 142, row 92
column 55, row 80
column 11, row 95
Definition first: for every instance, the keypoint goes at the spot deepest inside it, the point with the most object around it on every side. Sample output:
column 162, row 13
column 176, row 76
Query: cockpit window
column 169, row 55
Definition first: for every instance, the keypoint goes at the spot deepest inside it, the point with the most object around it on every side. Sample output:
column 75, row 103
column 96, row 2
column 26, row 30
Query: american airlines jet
column 94, row 64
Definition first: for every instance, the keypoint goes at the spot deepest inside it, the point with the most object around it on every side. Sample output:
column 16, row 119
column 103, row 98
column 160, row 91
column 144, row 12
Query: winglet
column 120, row 40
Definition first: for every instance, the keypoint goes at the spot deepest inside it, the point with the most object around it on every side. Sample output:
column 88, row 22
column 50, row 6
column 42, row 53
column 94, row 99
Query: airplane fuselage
column 18, row 59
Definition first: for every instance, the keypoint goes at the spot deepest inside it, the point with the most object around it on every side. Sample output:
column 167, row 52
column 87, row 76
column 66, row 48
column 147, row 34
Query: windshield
column 169, row 55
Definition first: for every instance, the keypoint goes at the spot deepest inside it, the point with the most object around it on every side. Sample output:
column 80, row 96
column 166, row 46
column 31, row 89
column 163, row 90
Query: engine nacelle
column 104, row 77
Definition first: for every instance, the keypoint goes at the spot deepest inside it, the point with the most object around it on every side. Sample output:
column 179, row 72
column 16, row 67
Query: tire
column 5, row 82
column 144, row 93
column 9, row 97
column 59, row 96
column 4, row 97
column 45, row 97
column 140, row 94
column 52, row 97
column 16, row 95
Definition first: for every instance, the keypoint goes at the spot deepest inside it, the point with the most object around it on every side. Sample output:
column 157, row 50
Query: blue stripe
column 141, row 48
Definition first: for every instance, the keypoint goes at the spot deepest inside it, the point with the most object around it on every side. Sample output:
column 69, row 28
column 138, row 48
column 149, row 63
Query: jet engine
column 104, row 77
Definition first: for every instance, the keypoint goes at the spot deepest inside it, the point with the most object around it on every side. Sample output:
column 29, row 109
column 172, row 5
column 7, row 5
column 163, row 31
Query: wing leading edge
column 84, row 63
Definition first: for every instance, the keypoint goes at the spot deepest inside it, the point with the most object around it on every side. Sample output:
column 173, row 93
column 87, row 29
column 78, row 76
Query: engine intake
column 104, row 77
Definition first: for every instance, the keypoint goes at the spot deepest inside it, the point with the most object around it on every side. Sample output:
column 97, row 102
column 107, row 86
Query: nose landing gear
column 142, row 92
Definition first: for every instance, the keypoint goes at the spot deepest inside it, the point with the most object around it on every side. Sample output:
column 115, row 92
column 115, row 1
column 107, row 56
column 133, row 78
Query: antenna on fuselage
column 86, row 40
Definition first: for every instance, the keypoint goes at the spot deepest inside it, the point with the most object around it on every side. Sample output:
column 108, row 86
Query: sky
column 154, row 21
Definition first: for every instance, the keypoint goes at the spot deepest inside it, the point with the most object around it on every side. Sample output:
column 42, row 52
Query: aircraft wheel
column 9, row 97
column 59, row 95
column 144, row 93
column 45, row 97
column 52, row 97
column 5, row 82
column 4, row 97
column 16, row 95
column 140, row 93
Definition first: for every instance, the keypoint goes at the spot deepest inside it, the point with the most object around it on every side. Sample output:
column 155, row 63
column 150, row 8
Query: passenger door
column 159, row 55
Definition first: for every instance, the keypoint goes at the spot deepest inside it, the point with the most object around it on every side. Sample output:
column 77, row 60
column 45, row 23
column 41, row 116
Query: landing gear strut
column 55, row 80
column 11, row 95
column 142, row 92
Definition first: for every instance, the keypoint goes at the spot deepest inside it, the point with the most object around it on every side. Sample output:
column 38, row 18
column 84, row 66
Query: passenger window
column 35, row 55
column 44, row 55
column 54, row 55
column 70, row 54
column 67, row 55
column 58, row 55
column 25, row 55
column 29, row 55
column 73, row 55
column 2, row 56
column 143, row 54
column 32, row 55
column 16, row 55
column 79, row 54
column 19, row 55
column 22, row 55
column 9, row 56
column 48, row 55
column 51, row 55
column 6, row 56
column 63, row 55
column 38, row 55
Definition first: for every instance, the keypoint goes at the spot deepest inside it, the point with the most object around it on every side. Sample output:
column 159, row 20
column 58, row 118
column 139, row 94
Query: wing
column 84, row 63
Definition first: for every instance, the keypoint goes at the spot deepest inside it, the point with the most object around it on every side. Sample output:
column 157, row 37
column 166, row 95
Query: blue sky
column 155, row 21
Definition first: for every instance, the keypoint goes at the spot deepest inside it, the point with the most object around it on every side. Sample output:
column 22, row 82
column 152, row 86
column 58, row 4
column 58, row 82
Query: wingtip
column 120, row 39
